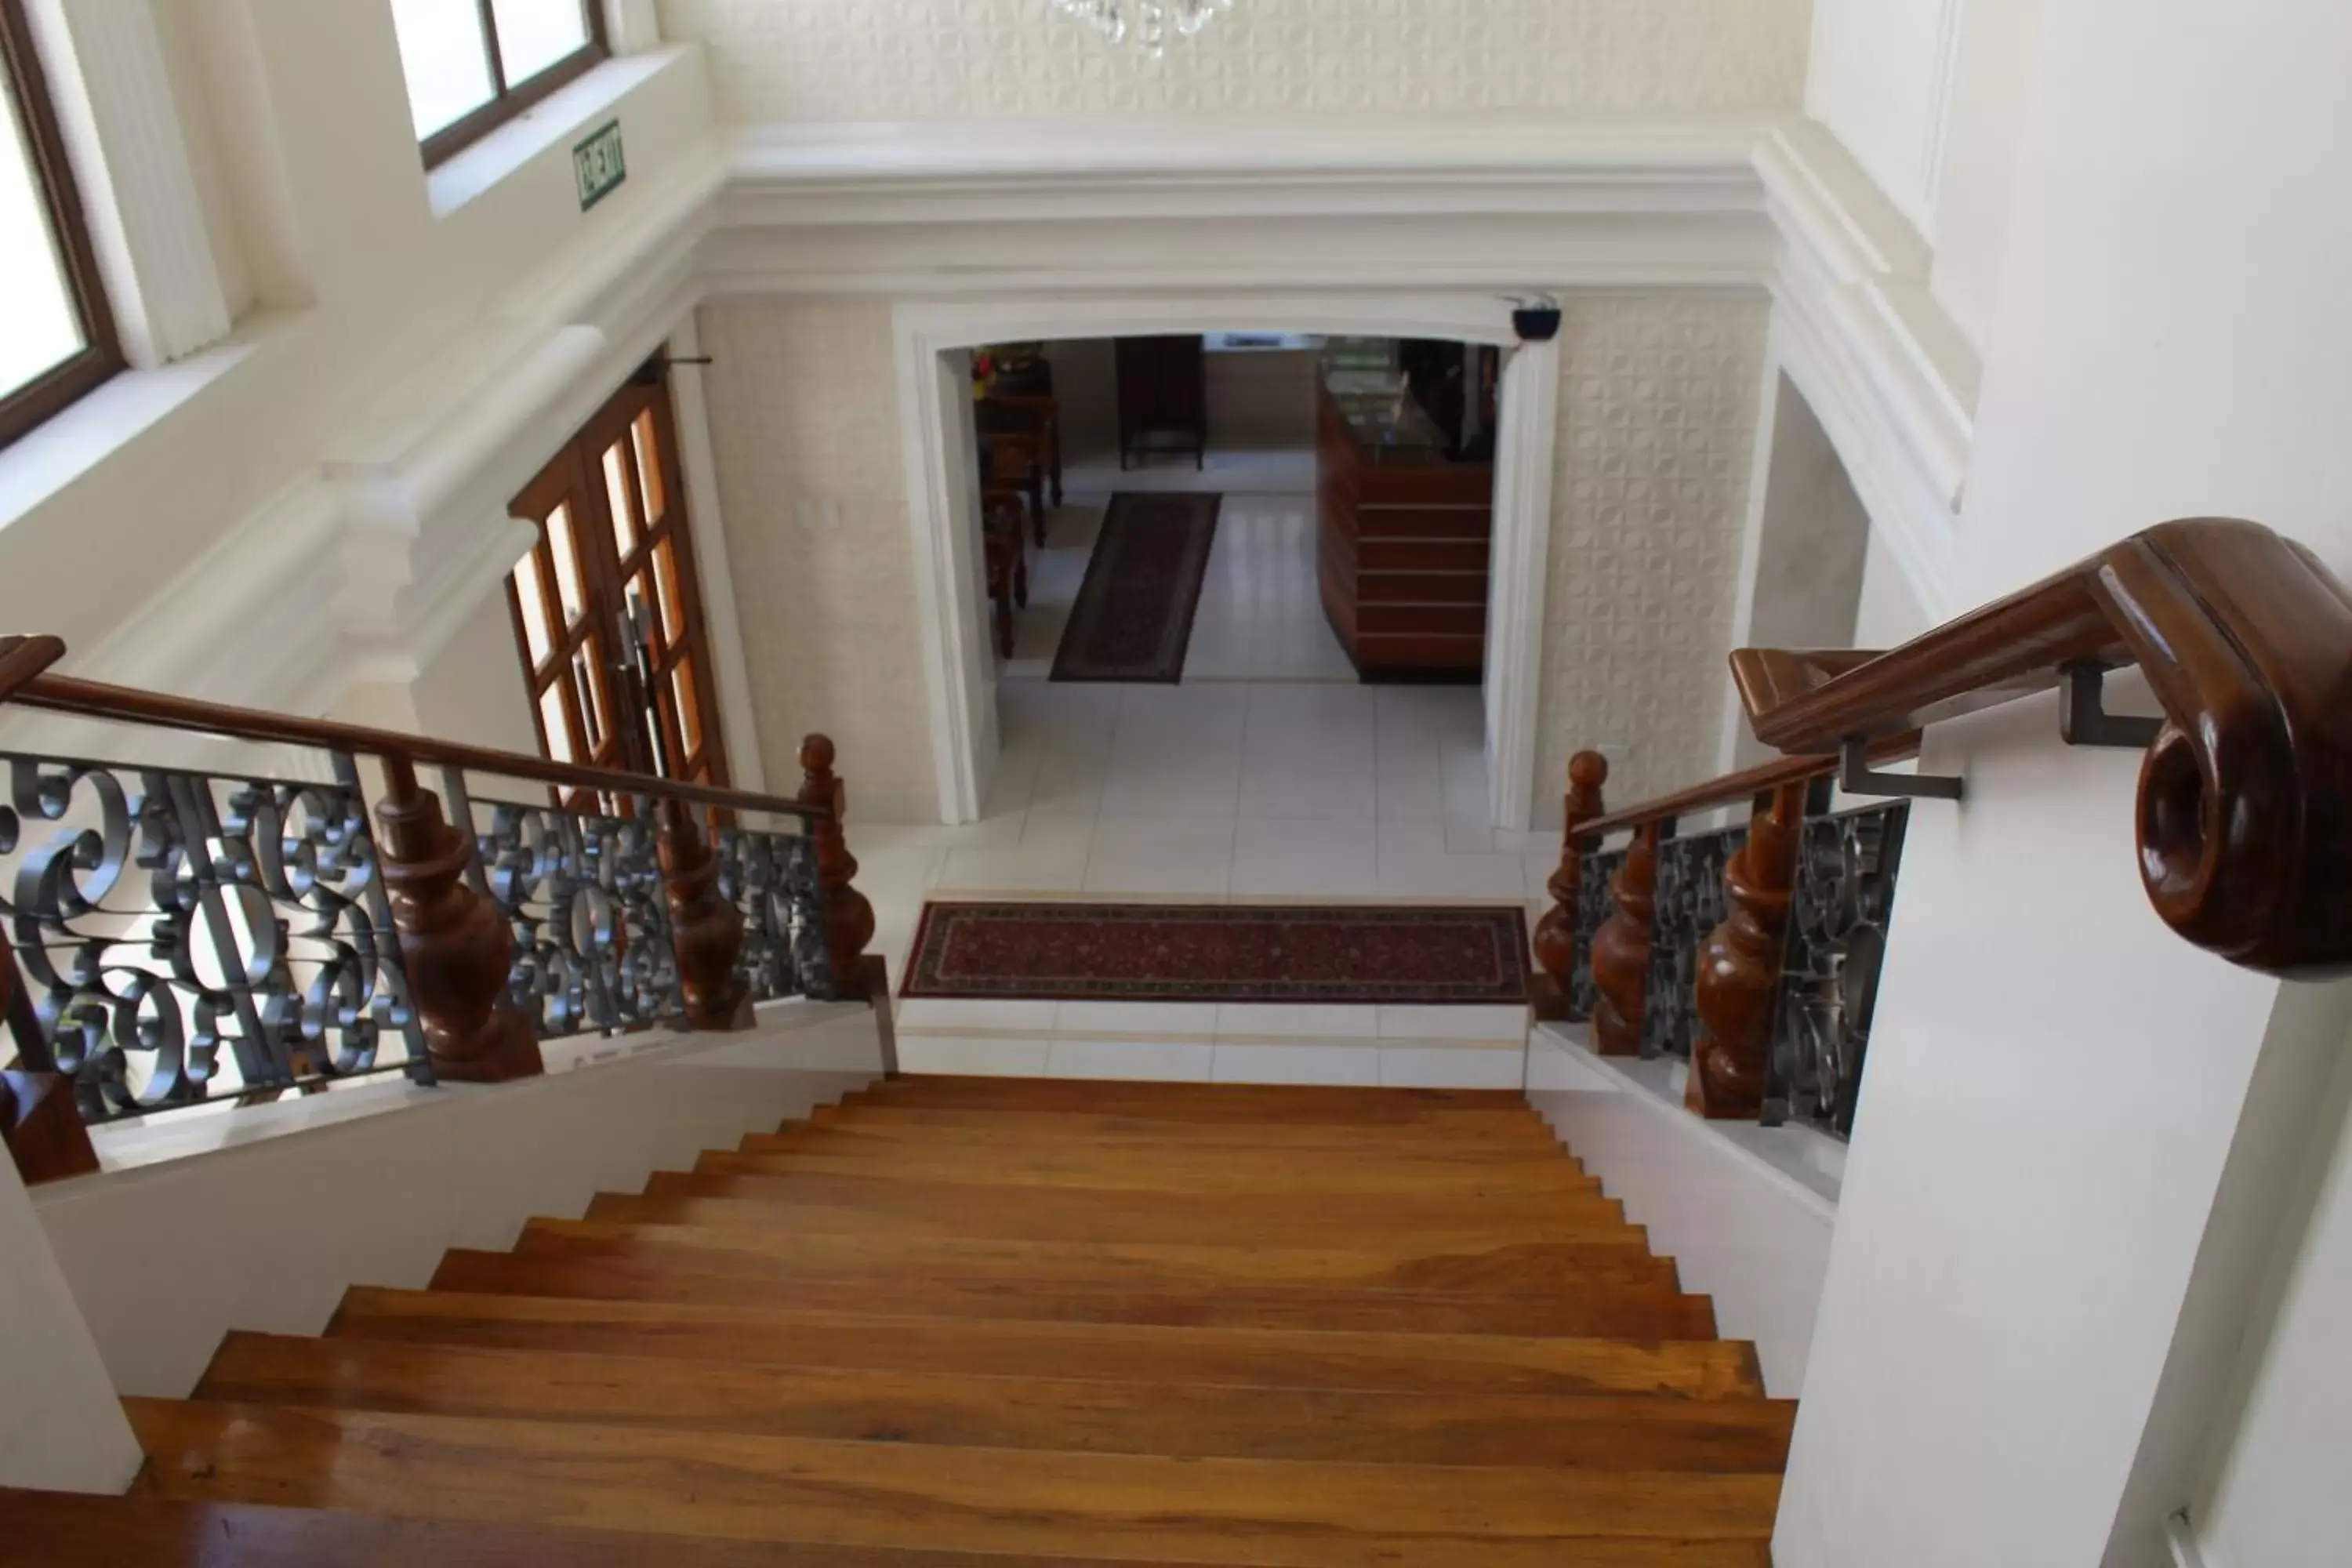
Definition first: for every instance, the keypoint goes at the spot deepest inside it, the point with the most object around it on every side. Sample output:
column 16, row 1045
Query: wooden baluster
column 1555, row 938
column 457, row 945
column 849, row 919
column 1621, row 949
column 706, row 930
column 39, row 1122
column 1739, row 965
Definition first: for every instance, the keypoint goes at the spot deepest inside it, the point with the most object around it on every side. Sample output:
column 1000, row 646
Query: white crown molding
column 364, row 568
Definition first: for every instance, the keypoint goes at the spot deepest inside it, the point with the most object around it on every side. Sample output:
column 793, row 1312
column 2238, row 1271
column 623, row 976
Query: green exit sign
column 597, row 163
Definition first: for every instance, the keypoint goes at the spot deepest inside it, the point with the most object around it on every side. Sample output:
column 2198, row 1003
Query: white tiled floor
column 1268, row 775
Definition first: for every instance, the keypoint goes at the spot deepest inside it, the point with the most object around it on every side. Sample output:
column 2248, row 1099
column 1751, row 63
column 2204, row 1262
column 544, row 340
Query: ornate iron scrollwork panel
column 1690, row 903
column 184, row 936
column 772, row 878
column 585, row 896
column 1844, row 894
column 1593, row 876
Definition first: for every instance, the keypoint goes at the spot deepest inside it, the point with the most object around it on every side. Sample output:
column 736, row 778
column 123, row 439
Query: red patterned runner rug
column 1133, row 618
column 1221, row 953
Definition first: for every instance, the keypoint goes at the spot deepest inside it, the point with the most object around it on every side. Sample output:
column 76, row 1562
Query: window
column 59, row 340
column 473, row 65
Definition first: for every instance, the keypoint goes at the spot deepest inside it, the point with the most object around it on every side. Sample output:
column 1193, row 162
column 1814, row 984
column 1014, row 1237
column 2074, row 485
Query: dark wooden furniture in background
column 2245, row 796
column 1163, row 399
column 615, row 560
column 1006, row 557
column 1403, row 534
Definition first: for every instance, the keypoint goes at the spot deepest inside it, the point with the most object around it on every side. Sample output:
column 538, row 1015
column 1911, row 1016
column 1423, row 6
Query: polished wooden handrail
column 97, row 700
column 1740, row 788
column 2244, row 818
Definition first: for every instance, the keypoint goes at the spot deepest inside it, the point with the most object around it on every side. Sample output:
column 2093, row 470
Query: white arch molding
column 957, row 672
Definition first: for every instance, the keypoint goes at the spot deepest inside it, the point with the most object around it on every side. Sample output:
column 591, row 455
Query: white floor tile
column 1300, row 858
column 1413, row 864
column 1280, row 1020
column 1136, row 1018
column 1468, row 1023
column 1421, row 1066
column 1336, row 1064
column 956, row 1014
column 1166, row 1062
column 1052, row 855
column 990, row 1058
column 1187, row 855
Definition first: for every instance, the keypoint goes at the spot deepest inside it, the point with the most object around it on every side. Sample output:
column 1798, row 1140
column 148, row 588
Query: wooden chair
column 1038, row 417
column 1007, row 560
column 1015, row 466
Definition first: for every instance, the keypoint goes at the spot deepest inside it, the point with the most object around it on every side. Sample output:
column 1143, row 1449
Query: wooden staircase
column 962, row 1323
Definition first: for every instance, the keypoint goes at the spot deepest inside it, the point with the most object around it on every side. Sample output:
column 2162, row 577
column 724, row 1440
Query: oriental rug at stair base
column 1222, row 953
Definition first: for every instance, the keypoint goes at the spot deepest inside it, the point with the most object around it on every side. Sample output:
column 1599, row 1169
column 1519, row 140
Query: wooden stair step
column 1272, row 1358
column 1235, row 1103
column 71, row 1530
column 884, row 1141
column 563, row 1265
column 1618, row 1259
column 1197, row 1172
column 1619, row 1433
column 1083, row 1213
column 677, row 1201
column 1486, row 1128
column 1267, row 1512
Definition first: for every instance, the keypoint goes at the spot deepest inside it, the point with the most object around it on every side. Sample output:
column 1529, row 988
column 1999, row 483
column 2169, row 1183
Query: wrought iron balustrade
column 1690, row 903
column 1592, row 909
column 186, row 935
column 1842, row 901
column 184, row 938
column 1752, row 952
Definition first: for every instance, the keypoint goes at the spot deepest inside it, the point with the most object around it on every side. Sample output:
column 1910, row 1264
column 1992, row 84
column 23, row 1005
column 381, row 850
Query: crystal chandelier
column 1146, row 22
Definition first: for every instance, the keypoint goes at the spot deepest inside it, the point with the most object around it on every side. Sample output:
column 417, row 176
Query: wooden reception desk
column 1401, row 537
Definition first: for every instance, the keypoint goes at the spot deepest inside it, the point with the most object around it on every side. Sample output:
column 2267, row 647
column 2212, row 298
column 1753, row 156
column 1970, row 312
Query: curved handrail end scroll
column 2244, row 811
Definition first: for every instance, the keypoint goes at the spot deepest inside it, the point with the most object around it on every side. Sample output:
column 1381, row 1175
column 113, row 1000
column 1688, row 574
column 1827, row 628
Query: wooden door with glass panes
column 607, row 606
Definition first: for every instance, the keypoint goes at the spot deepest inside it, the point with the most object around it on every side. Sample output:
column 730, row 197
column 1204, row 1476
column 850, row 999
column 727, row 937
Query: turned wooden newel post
column 456, row 944
column 706, row 930
column 1621, row 949
column 1739, row 965
column 39, row 1122
column 849, row 919
column 1555, row 938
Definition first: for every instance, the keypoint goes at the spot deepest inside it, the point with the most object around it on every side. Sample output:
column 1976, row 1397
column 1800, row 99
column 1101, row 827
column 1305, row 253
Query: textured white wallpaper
column 804, row 430
column 921, row 59
column 1657, row 428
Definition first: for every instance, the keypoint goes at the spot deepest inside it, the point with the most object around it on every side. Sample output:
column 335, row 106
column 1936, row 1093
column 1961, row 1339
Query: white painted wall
column 267, row 1233
column 1878, row 78
column 376, row 297
column 1886, row 614
column 2273, row 1495
column 63, row 1429
column 1992, row 79
column 1262, row 399
column 2040, row 1266
column 1729, row 1202
column 1802, row 562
